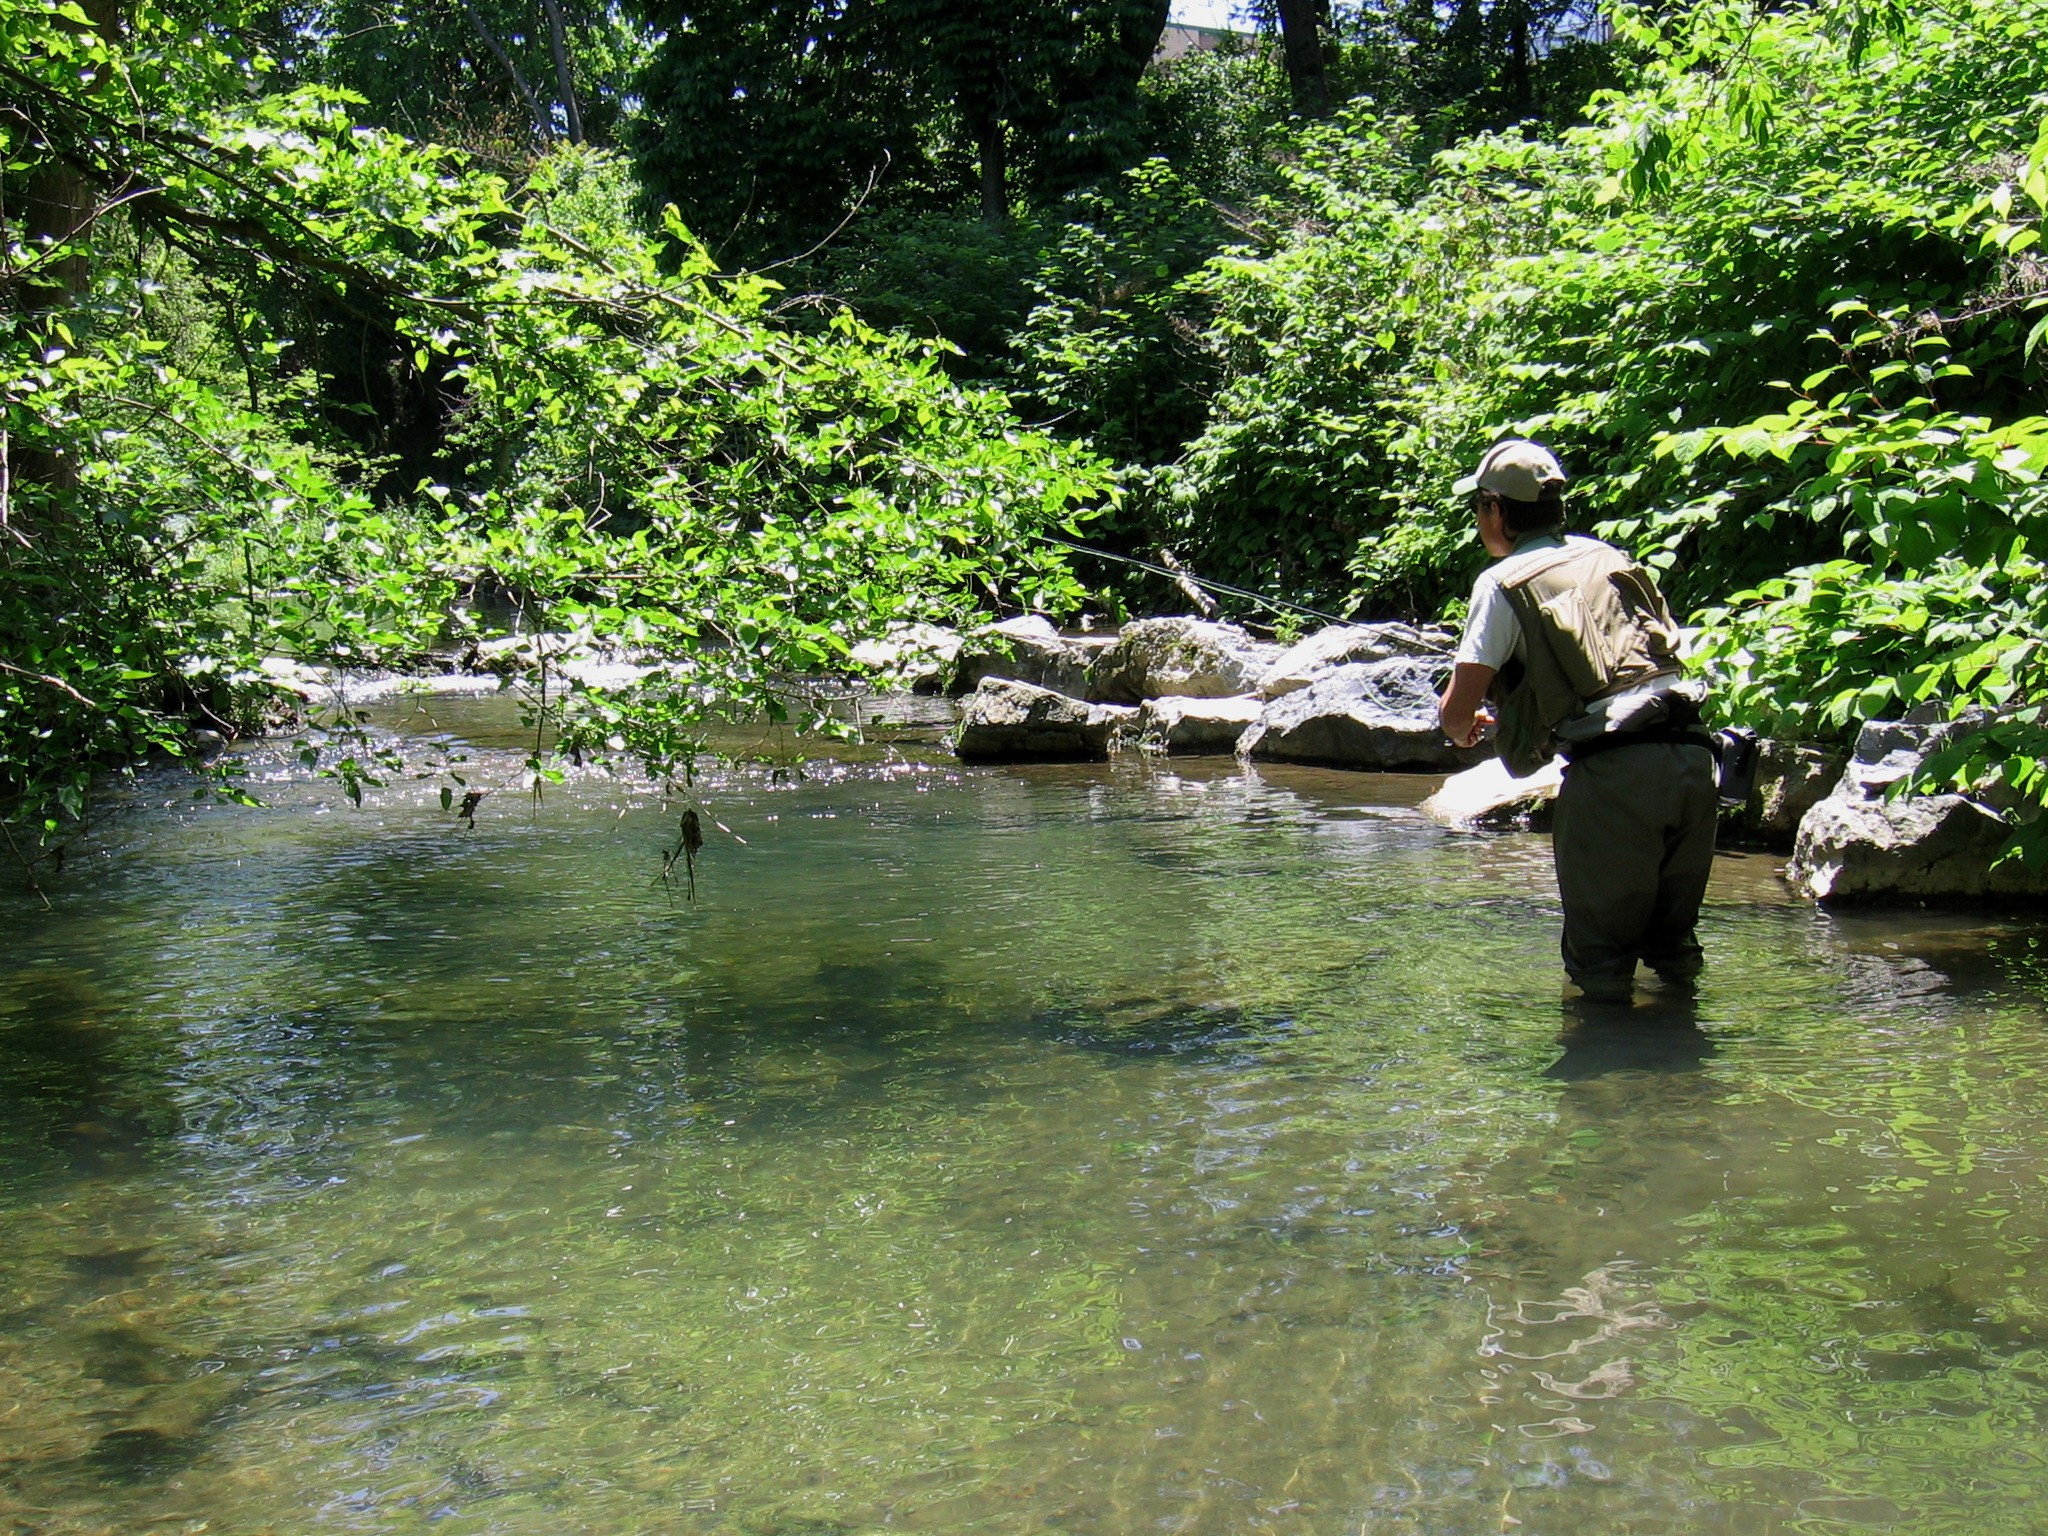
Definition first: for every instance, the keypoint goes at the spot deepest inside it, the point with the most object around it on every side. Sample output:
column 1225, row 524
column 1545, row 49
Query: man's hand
column 1462, row 710
column 1482, row 722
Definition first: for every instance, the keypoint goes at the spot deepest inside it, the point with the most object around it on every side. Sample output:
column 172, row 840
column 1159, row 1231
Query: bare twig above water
column 28, row 867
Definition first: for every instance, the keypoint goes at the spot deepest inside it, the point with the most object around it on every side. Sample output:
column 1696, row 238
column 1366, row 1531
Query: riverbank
column 1357, row 696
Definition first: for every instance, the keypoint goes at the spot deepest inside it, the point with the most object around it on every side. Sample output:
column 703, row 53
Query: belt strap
column 1674, row 735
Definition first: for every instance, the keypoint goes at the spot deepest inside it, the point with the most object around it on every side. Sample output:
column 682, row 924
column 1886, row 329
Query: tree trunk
column 1520, row 95
column 58, row 200
column 1139, row 29
column 543, row 124
column 58, row 204
column 565, row 81
column 995, row 173
column 1098, row 128
column 1461, row 60
column 1301, row 38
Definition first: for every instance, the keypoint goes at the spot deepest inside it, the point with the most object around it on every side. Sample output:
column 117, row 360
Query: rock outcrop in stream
column 1371, row 714
column 1195, row 726
column 1179, row 658
column 1488, row 798
column 1008, row 721
column 1301, row 664
column 1029, row 650
column 911, row 657
column 1791, row 779
column 1862, row 844
column 1354, row 695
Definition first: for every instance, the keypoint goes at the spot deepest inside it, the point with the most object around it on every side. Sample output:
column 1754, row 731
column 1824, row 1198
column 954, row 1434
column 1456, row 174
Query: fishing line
column 1276, row 603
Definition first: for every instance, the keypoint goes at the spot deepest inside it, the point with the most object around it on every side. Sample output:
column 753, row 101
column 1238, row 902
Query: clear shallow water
column 1083, row 1150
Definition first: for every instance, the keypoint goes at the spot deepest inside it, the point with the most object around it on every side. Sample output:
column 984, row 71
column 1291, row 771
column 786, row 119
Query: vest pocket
column 1643, row 604
column 1581, row 646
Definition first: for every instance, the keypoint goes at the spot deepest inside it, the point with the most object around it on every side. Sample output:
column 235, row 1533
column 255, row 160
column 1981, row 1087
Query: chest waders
column 1633, row 836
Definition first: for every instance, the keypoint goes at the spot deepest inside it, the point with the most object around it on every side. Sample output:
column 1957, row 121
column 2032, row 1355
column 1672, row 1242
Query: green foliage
column 477, row 74
column 767, row 124
column 1476, row 66
column 1280, row 486
column 1219, row 117
column 764, row 143
column 1112, row 346
column 277, row 384
column 1524, row 288
column 947, row 274
column 1076, row 273
column 1779, row 306
column 654, row 463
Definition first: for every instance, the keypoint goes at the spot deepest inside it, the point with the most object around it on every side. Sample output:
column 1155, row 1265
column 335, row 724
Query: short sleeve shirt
column 1491, row 629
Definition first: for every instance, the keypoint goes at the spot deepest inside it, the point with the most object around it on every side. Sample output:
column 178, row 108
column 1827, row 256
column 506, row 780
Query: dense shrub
column 1778, row 307
column 649, row 458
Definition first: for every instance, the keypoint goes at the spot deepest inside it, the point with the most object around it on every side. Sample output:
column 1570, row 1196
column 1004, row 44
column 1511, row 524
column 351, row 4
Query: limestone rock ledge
column 1027, row 650
column 1181, row 658
column 1302, row 663
column 1489, row 798
column 1194, row 726
column 1791, row 779
column 1858, row 846
column 1007, row 721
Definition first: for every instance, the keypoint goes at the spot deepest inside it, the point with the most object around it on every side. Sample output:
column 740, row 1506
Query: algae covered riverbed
column 1065, row 1149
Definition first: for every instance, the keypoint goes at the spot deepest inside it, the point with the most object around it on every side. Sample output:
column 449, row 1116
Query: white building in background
column 1178, row 41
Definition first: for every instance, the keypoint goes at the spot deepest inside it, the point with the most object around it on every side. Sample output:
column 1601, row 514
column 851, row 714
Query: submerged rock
column 1027, row 650
column 1488, row 797
column 1856, row 845
column 1372, row 714
column 1193, row 726
column 295, row 676
column 1008, row 721
column 1301, row 664
column 1180, row 658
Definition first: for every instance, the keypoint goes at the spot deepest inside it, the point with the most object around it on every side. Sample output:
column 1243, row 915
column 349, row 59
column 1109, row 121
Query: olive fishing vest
column 1593, row 623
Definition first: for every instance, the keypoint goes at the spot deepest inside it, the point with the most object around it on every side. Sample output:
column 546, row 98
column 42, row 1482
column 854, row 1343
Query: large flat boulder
column 1179, row 657
column 1302, row 663
column 1371, row 714
column 1195, row 726
column 915, row 657
column 1008, row 721
column 576, row 658
column 1028, row 650
column 1864, row 844
column 1489, row 798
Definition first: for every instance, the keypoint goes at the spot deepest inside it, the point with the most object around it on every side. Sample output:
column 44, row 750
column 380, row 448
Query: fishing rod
column 1186, row 578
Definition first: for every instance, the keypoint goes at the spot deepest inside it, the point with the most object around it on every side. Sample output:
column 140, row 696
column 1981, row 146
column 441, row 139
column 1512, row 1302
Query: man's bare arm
column 1462, row 710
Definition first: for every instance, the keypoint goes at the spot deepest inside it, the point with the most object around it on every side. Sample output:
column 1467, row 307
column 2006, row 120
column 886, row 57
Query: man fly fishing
column 1568, row 645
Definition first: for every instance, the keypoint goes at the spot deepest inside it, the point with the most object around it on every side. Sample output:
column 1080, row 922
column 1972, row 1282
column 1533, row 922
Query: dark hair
column 1519, row 518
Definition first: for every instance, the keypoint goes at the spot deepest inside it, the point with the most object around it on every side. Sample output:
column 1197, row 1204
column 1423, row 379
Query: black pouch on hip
column 1736, row 751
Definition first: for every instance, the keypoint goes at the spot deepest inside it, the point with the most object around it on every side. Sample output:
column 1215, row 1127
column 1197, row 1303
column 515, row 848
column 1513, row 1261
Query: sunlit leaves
column 650, row 462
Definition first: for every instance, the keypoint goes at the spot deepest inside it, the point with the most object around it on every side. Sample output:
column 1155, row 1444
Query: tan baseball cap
column 1516, row 468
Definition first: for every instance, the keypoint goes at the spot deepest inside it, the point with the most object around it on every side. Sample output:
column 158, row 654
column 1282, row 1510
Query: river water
column 1095, row 1149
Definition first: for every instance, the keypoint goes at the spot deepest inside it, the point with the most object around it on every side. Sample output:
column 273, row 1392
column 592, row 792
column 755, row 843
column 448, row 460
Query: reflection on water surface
column 1093, row 1150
